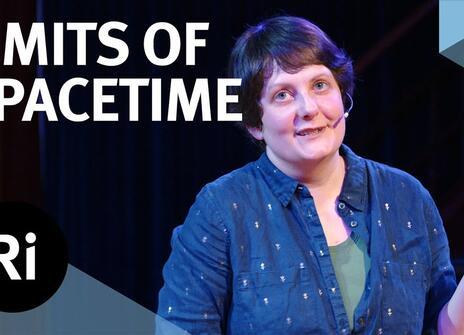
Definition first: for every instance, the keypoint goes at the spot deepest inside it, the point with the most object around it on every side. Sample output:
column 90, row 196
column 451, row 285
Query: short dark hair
column 290, row 43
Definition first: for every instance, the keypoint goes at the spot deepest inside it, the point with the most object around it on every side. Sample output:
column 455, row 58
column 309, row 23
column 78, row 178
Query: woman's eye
column 281, row 96
column 321, row 85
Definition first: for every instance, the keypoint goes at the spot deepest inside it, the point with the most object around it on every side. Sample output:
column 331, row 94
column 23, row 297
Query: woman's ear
column 256, row 132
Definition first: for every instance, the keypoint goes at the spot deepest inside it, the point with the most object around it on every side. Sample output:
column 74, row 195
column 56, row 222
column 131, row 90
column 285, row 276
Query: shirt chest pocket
column 404, row 290
column 282, row 300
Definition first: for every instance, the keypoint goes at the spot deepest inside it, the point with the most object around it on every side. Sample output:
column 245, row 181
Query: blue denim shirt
column 252, row 258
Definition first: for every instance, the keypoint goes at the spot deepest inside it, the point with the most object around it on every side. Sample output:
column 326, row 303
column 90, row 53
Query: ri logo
column 6, row 259
column 33, row 257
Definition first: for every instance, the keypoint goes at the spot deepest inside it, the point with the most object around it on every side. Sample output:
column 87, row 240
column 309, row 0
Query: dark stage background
column 118, row 189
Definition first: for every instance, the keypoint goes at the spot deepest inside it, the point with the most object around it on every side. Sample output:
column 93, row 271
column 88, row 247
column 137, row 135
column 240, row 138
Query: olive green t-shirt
column 351, row 263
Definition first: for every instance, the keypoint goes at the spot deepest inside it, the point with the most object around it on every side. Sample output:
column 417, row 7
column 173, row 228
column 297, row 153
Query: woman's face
column 299, row 113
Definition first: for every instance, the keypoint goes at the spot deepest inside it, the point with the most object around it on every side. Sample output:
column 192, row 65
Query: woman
column 310, row 238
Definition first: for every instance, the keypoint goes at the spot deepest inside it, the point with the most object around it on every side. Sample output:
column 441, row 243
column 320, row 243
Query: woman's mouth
column 310, row 131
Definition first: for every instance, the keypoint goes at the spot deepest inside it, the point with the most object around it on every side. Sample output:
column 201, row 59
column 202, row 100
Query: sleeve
column 196, row 291
column 442, row 275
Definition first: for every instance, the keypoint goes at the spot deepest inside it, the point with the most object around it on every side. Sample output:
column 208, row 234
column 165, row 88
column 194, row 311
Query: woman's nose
column 308, row 107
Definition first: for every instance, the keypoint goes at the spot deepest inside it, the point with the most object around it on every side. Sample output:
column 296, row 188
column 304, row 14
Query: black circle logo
column 33, row 257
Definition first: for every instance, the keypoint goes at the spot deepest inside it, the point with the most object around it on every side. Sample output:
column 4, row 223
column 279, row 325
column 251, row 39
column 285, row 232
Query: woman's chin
column 319, row 153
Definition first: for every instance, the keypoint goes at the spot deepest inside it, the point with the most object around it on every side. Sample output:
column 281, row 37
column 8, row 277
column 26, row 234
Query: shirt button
column 361, row 322
column 341, row 205
column 353, row 224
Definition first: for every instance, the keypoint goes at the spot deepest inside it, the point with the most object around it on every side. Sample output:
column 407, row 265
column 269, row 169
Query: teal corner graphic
column 451, row 30
column 85, row 306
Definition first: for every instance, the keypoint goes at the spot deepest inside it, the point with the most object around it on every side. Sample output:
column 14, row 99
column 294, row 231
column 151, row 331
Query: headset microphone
column 344, row 115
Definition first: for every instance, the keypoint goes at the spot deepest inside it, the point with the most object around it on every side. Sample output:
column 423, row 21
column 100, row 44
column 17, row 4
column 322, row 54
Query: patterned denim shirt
column 252, row 258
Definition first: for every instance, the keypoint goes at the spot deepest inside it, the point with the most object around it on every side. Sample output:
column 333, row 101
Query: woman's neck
column 323, row 177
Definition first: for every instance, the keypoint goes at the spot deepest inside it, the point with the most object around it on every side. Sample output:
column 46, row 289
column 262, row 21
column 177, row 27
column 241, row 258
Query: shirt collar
column 281, row 185
column 354, row 187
